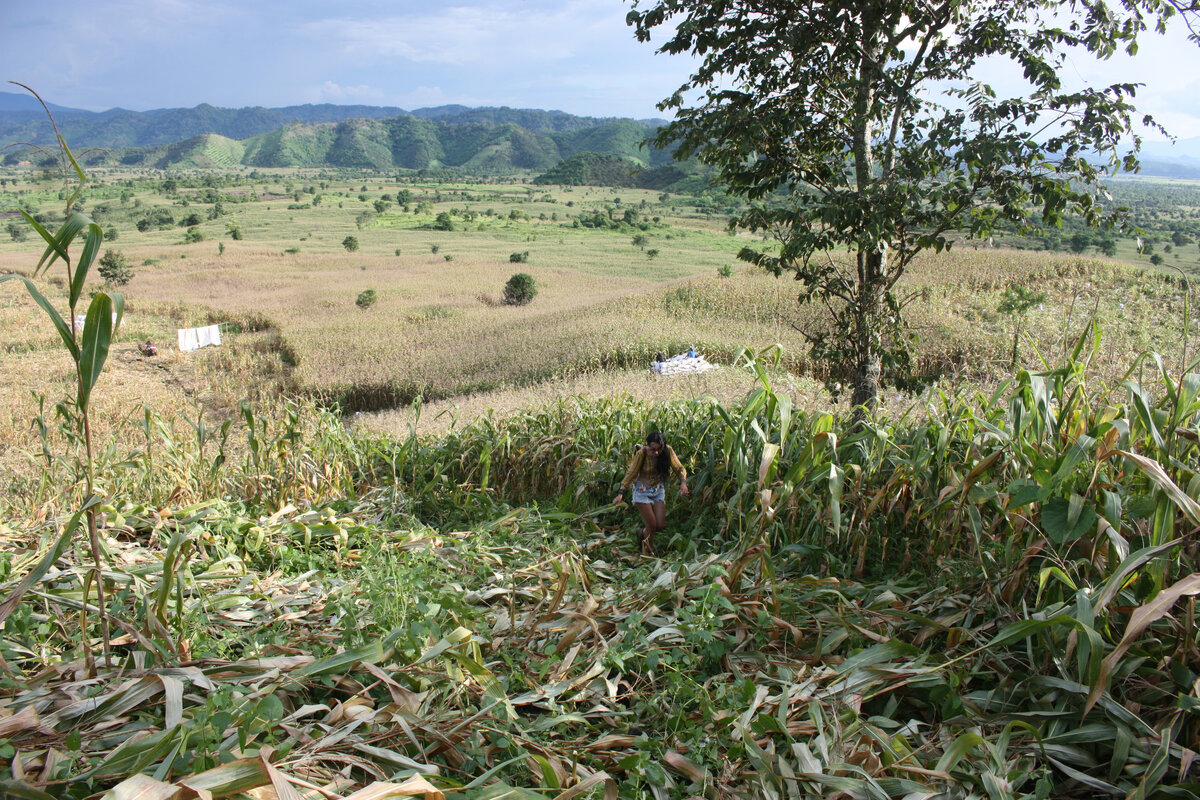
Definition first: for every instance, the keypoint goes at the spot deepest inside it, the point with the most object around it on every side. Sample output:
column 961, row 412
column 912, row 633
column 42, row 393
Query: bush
column 518, row 258
column 350, row 243
column 366, row 298
column 193, row 235
column 520, row 289
column 114, row 268
column 725, row 271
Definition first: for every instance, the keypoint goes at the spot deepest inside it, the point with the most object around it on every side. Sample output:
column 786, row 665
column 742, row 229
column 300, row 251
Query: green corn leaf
column 1114, row 583
column 62, row 240
column 43, row 566
column 371, row 653
column 91, row 246
column 59, row 323
column 97, row 336
column 22, row 791
column 51, row 241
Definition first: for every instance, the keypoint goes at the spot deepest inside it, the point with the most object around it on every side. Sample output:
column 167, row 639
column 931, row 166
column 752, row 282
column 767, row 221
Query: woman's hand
column 683, row 490
column 617, row 500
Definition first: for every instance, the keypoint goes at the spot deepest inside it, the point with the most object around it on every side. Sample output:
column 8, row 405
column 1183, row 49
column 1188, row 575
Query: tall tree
column 863, row 126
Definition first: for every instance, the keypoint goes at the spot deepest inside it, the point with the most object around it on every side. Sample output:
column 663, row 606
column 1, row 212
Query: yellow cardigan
column 642, row 469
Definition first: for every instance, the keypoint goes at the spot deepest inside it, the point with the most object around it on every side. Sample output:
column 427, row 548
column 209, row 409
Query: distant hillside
column 403, row 142
column 22, row 120
column 591, row 169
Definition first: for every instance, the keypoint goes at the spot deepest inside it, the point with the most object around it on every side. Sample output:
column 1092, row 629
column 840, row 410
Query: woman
column 648, row 474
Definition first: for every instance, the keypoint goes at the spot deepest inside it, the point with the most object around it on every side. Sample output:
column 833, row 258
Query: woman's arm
column 634, row 467
column 677, row 465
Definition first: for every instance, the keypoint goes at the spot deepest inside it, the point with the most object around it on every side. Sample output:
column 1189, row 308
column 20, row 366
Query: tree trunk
column 868, row 360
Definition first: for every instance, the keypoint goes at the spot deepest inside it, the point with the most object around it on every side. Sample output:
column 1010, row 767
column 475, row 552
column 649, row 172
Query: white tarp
column 80, row 319
column 195, row 338
column 683, row 364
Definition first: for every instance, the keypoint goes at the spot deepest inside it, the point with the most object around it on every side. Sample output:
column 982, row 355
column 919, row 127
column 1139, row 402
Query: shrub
column 114, row 268
column 520, row 289
column 651, row 253
column 518, row 258
column 443, row 222
column 17, row 232
column 350, row 243
column 366, row 298
column 193, row 235
column 725, row 271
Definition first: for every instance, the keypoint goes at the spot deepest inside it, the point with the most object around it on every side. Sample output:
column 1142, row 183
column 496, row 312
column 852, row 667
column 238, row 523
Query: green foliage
column 725, row 271
column 350, row 243
column 837, row 136
column 443, row 222
column 16, row 232
column 193, row 235
column 591, row 169
column 518, row 258
column 520, row 289
column 366, row 299
column 114, row 268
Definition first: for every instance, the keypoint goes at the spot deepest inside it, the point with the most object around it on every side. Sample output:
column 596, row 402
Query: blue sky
column 573, row 55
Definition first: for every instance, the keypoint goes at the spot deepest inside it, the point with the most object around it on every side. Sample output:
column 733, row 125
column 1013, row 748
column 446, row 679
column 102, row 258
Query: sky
column 577, row 56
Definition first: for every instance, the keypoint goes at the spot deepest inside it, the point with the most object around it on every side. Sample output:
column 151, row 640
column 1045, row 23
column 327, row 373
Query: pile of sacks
column 689, row 363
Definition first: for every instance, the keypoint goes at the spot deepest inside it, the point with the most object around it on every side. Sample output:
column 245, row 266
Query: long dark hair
column 662, row 464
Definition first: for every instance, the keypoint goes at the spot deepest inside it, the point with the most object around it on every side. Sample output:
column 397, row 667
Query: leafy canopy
column 862, row 125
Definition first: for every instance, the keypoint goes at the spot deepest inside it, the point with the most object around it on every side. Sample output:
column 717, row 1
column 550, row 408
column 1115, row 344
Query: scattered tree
column 520, row 289
column 443, row 222
column 350, row 243
column 366, row 299
column 652, row 253
column 518, row 258
column 825, row 115
column 639, row 241
column 16, row 232
column 1016, row 302
column 193, row 235
column 114, row 268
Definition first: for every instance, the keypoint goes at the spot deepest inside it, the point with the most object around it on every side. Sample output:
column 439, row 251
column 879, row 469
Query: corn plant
column 88, row 348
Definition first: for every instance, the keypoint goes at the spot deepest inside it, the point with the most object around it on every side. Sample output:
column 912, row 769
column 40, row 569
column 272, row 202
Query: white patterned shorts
column 643, row 493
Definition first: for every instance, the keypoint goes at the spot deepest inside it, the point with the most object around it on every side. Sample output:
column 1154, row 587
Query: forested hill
column 23, row 120
column 479, row 139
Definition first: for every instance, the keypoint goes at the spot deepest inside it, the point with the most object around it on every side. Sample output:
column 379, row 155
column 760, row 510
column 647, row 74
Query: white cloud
column 458, row 34
column 330, row 92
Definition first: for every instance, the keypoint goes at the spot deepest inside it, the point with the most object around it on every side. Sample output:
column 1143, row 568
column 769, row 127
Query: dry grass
column 437, row 330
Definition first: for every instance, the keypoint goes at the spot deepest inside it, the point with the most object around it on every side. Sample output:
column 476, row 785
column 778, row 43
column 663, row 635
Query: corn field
column 993, row 597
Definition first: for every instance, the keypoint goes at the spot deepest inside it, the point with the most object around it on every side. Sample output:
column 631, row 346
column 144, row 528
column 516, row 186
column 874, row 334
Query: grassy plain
column 287, row 287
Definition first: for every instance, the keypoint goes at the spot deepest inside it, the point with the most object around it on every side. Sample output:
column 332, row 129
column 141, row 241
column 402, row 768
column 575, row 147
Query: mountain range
column 381, row 137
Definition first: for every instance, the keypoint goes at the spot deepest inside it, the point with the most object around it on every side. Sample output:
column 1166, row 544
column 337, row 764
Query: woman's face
column 654, row 448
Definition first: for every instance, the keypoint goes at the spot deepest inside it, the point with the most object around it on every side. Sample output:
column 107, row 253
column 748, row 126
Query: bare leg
column 660, row 515
column 650, row 525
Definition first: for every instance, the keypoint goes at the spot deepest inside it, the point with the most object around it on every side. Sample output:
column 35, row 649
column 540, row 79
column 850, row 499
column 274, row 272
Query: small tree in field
column 862, row 133
column 366, row 299
column 520, row 289
column 350, row 243
column 114, row 268
column 1016, row 302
